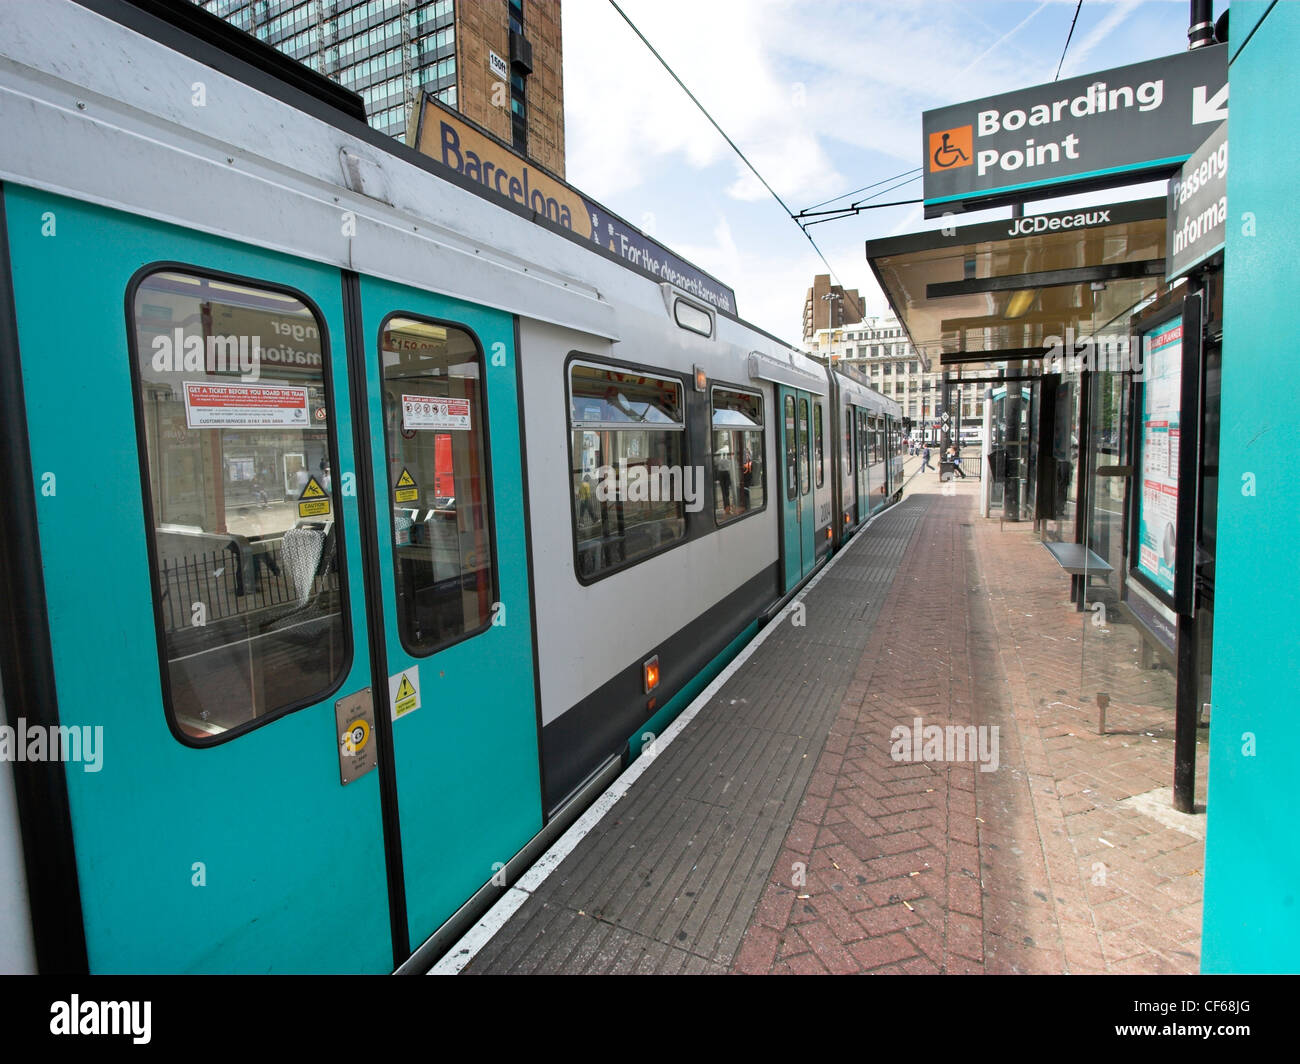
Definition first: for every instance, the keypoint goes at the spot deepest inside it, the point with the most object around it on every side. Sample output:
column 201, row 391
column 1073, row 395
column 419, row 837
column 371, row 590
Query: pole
column 1186, row 715
column 1200, row 28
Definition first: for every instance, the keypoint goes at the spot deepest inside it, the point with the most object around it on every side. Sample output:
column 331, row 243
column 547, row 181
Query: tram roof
column 1003, row 291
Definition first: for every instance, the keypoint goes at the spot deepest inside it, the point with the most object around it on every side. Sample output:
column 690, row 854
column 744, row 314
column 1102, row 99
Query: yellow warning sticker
column 313, row 490
column 313, row 502
column 407, row 490
column 404, row 691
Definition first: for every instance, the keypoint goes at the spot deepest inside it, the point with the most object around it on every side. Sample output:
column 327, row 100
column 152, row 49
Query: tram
column 359, row 525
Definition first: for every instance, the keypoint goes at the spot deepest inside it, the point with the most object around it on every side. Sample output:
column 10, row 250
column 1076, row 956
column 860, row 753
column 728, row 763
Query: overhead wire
column 743, row 158
column 1068, row 37
column 864, row 188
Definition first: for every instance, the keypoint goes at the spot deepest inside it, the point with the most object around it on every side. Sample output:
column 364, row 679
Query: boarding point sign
column 1112, row 128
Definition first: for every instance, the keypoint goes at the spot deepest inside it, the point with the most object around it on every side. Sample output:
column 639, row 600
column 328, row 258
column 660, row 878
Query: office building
column 879, row 348
column 829, row 306
column 498, row 62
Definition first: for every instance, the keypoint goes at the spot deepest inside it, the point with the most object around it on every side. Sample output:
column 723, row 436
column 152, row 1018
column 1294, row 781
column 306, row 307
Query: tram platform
column 783, row 825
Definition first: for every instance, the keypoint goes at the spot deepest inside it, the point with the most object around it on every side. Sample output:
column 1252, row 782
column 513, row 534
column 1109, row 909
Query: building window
column 518, row 89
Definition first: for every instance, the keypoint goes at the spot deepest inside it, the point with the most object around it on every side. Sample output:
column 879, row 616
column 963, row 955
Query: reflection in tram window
column 879, row 458
column 817, row 445
column 739, row 486
column 438, row 482
column 791, row 452
column 805, row 470
column 234, row 417
column 629, row 480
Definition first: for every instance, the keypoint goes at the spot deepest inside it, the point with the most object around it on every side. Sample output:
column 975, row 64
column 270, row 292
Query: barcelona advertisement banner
column 456, row 144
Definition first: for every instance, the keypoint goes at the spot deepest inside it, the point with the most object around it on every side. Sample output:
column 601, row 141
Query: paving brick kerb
column 778, row 835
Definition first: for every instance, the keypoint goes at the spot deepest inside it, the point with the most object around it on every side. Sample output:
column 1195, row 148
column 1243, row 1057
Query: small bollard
column 1103, row 700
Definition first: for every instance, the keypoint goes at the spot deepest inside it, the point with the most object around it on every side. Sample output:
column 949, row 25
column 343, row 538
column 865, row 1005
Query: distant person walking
column 925, row 459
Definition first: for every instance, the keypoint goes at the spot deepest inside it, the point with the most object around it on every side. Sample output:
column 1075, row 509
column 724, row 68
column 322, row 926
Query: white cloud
column 633, row 113
column 821, row 97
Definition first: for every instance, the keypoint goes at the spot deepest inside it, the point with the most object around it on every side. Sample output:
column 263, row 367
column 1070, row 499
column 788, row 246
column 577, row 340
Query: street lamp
column 829, row 298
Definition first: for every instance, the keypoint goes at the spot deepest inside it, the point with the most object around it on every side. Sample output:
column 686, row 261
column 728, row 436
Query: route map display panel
column 1161, row 436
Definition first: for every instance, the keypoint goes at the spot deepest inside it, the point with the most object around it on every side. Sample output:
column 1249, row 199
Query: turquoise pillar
column 1252, row 856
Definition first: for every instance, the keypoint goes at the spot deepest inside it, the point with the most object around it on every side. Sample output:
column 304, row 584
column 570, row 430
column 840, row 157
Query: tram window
column 628, row 471
column 438, row 482
column 817, row 445
column 848, row 442
column 791, row 454
column 804, row 468
column 739, row 484
column 233, row 409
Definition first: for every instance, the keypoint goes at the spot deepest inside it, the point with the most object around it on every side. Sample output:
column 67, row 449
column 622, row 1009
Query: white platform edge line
column 478, row 936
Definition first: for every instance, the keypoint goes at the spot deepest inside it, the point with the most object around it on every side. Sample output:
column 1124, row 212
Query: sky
column 824, row 97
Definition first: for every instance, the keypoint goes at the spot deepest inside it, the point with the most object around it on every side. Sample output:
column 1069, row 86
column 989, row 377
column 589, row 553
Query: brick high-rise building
column 829, row 306
column 498, row 62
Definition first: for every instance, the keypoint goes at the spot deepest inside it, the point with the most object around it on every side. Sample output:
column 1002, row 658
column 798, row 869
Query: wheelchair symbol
column 948, row 155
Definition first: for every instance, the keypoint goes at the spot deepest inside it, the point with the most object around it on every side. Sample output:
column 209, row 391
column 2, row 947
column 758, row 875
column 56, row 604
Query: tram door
column 443, row 395
column 798, row 514
column 199, row 534
column 862, row 440
column 313, row 721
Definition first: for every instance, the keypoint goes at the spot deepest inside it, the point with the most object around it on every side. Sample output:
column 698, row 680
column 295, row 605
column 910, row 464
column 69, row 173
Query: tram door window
column 791, row 452
column 864, row 464
column 818, row 444
column 805, row 477
column 849, row 467
column 438, row 482
column 238, row 478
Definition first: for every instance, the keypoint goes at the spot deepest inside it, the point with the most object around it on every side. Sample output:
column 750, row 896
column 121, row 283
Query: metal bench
column 1081, row 563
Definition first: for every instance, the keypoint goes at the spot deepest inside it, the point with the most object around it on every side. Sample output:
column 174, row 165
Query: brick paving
column 1040, row 866
column 778, row 834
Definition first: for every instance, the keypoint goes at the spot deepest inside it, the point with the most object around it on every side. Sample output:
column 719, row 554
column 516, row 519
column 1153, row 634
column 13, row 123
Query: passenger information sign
column 1161, row 437
column 1111, row 128
column 431, row 412
column 1198, row 207
column 244, row 406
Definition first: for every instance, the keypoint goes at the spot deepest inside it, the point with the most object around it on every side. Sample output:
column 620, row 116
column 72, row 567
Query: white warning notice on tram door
column 404, row 691
column 244, row 406
column 432, row 412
